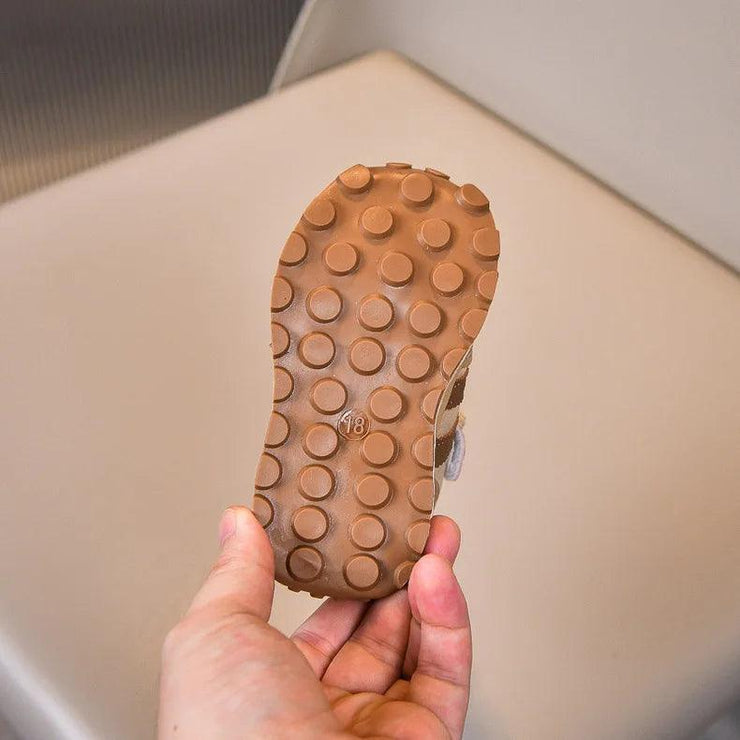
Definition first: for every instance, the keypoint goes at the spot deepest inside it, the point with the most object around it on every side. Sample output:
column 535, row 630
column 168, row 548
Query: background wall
column 643, row 94
column 82, row 81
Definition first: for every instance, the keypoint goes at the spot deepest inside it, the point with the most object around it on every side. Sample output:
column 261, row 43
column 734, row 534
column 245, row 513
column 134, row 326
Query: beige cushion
column 642, row 95
column 599, row 503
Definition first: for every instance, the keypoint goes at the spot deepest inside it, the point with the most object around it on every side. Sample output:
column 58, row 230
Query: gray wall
column 85, row 80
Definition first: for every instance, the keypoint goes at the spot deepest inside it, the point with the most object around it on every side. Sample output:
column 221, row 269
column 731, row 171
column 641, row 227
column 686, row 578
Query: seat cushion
column 599, row 502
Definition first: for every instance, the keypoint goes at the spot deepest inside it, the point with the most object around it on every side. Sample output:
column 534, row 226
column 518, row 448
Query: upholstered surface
column 600, row 489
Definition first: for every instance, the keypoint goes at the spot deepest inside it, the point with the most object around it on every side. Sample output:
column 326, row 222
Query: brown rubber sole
column 379, row 293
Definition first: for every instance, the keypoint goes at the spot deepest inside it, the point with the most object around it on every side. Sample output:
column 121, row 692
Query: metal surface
column 85, row 80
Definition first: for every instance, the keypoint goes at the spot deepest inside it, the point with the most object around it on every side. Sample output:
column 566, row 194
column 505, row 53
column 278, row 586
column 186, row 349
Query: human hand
column 398, row 667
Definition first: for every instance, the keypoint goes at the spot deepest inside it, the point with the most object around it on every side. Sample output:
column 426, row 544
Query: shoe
column 380, row 291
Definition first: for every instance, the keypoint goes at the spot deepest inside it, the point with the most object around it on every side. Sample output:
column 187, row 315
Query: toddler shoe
column 380, row 292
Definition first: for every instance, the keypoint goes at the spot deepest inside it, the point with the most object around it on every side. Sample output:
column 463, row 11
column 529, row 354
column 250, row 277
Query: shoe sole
column 379, row 293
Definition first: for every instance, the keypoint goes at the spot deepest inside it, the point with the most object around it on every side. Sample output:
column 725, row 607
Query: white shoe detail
column 454, row 464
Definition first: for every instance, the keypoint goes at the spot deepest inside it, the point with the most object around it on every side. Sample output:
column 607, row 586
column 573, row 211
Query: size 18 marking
column 353, row 424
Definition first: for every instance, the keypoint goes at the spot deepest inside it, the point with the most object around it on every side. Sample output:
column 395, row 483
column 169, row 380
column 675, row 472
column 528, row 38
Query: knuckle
column 452, row 675
column 383, row 650
column 231, row 561
column 227, row 563
column 314, row 640
column 174, row 640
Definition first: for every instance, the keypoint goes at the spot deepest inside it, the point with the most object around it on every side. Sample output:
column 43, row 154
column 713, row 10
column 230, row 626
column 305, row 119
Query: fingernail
column 227, row 526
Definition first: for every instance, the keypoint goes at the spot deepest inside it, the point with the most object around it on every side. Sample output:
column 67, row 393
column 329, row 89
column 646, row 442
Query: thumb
column 242, row 579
